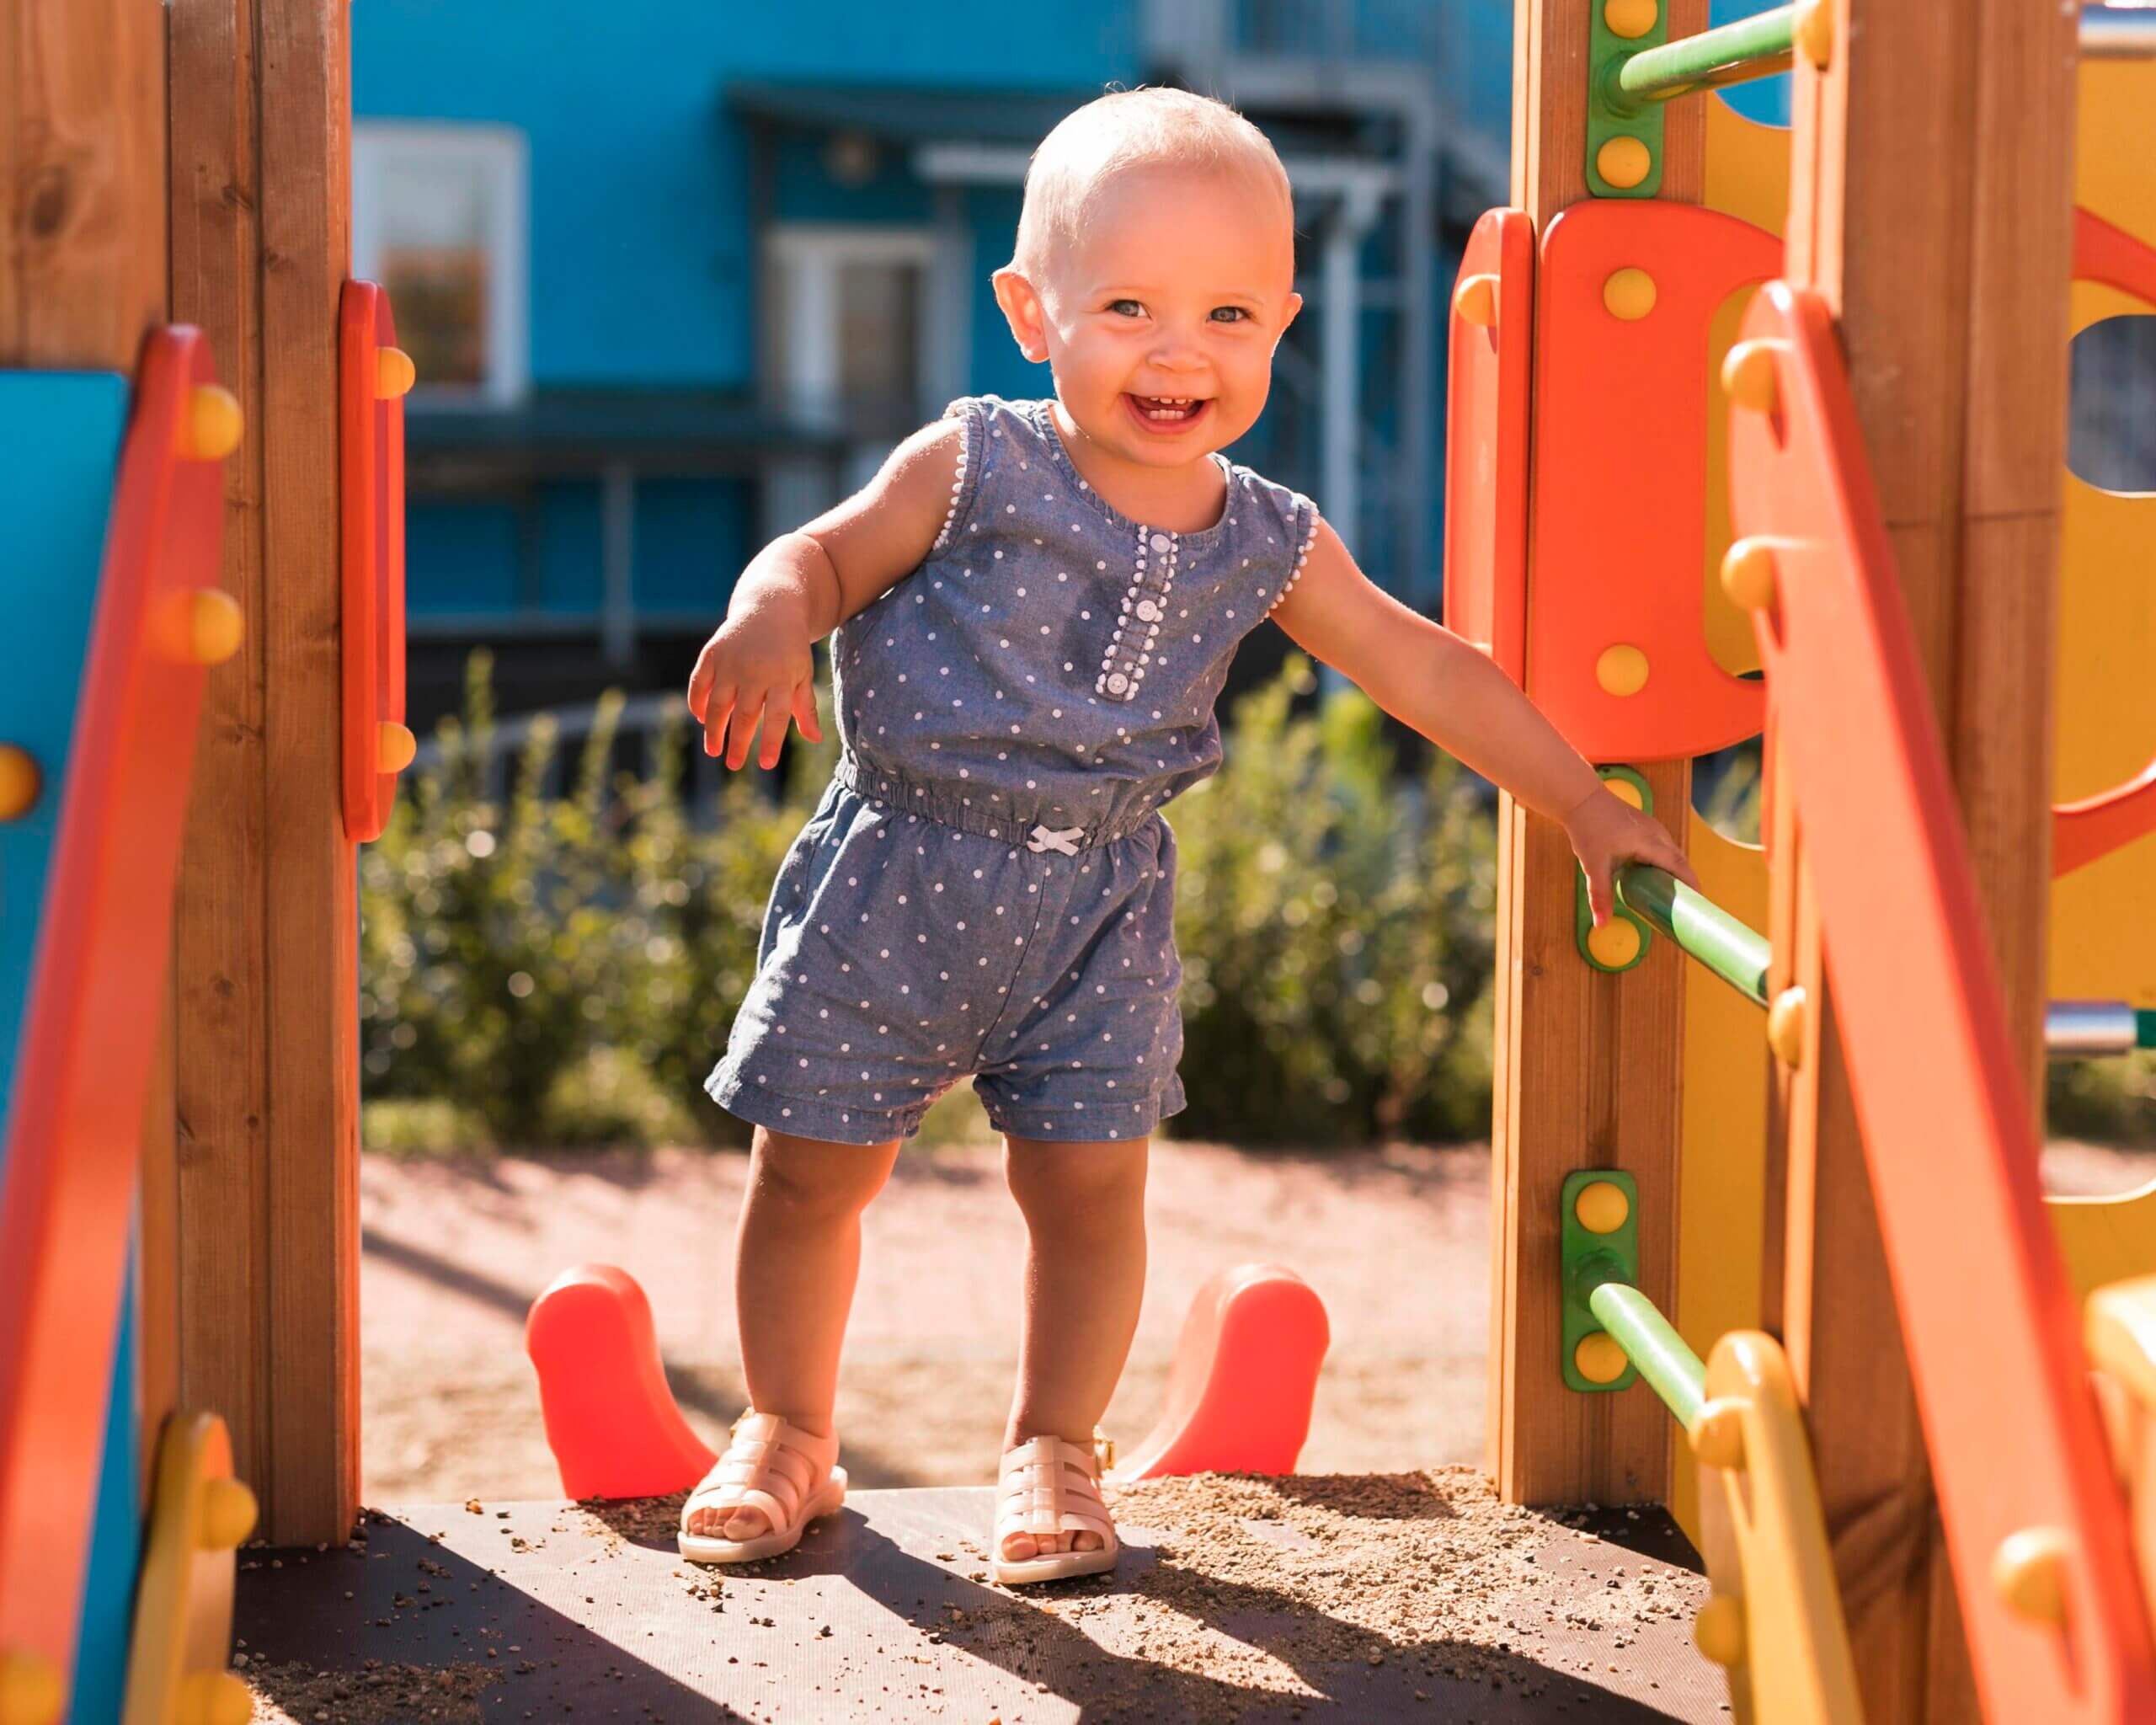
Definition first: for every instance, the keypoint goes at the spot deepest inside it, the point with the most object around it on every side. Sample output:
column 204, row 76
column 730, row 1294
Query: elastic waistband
column 974, row 810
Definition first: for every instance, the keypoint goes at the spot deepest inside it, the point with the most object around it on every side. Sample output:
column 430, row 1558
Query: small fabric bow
column 1047, row 838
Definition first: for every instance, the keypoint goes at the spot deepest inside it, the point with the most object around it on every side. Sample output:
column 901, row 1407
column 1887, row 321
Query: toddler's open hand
column 1606, row 833
column 758, row 666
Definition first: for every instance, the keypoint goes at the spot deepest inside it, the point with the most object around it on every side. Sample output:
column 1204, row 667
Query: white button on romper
column 986, row 890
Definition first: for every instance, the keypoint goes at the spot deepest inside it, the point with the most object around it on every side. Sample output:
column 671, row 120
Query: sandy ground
column 1393, row 1240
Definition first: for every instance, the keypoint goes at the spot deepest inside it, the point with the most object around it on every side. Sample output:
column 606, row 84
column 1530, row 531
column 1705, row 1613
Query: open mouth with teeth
column 1168, row 413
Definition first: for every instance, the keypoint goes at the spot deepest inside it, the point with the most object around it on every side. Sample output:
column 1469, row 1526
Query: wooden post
column 266, row 1071
column 1587, row 1064
column 1931, row 205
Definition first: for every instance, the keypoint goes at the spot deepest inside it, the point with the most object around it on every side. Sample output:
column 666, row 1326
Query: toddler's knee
column 1077, row 1180
column 812, row 1179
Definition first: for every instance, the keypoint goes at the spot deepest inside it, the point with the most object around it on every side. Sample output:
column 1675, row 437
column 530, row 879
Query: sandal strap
column 769, row 1465
column 1041, row 1477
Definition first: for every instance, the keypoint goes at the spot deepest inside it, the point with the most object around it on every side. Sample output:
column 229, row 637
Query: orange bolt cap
column 2028, row 1572
column 1786, row 1027
column 1747, row 574
column 1599, row 1359
column 1624, row 791
column 394, row 373
column 1748, row 374
column 20, row 782
column 214, row 626
column 1630, row 18
column 1621, row 669
column 1475, row 301
column 1813, row 32
column 1719, row 1629
column 1602, row 1207
column 1623, row 161
column 1613, row 945
column 1629, row 294
column 213, row 424
column 226, row 1513
column 395, row 746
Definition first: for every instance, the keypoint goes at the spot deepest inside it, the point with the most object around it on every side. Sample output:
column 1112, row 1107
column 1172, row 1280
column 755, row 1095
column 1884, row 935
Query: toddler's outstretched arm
column 1425, row 676
column 758, row 665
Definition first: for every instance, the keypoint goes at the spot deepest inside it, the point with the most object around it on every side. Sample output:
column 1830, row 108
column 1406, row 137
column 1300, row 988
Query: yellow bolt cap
column 1602, row 1207
column 1719, row 1629
column 1629, row 294
column 1475, row 301
column 31, row 1692
column 1786, row 1027
column 227, row 1512
column 1630, row 18
column 1624, row 791
column 212, row 428
column 1623, row 161
column 1748, row 374
column 1813, row 32
column 1718, row 1433
column 1621, row 669
column 213, row 1698
column 2028, row 1572
column 1599, row 1359
column 1747, row 574
column 395, row 746
column 214, row 626
column 19, row 781
column 394, row 373
column 1613, row 945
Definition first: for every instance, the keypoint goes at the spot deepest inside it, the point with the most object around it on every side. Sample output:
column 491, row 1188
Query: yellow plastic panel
column 2106, row 1240
column 1767, row 1550
column 1722, row 1157
column 1747, row 166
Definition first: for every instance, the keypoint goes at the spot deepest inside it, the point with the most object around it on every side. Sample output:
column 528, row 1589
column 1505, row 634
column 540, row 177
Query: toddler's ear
column 1023, row 310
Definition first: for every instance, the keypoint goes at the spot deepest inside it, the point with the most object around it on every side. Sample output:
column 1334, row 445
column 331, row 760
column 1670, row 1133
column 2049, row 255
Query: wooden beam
column 1589, row 1064
column 1934, row 149
column 267, row 1075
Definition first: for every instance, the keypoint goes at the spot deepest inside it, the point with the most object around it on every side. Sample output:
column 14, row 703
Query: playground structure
column 1759, row 1147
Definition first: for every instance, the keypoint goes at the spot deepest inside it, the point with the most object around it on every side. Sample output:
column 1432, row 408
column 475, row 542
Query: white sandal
column 791, row 1476
column 1049, row 1487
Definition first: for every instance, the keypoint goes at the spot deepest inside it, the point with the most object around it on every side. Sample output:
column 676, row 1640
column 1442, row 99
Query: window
column 846, row 328
column 439, row 220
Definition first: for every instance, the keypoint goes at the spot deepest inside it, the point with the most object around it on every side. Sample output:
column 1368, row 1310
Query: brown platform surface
column 1310, row 1598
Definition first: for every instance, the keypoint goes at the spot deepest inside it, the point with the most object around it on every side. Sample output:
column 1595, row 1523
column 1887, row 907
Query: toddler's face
column 1160, row 319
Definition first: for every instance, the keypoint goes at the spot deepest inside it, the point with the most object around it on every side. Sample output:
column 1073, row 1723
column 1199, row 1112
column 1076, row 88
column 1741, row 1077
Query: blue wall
column 642, row 269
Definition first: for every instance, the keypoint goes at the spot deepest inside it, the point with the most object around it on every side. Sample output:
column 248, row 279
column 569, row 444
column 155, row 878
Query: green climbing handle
column 1739, row 955
column 1672, row 1369
column 1752, row 47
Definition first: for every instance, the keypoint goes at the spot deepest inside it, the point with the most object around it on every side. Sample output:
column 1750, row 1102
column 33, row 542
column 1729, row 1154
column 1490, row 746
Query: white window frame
column 501, row 155
column 805, row 258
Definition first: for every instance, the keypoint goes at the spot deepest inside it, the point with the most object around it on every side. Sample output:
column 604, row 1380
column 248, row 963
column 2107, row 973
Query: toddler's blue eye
column 1127, row 308
column 1232, row 314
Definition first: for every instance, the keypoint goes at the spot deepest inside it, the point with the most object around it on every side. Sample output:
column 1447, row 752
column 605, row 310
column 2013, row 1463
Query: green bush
column 556, row 970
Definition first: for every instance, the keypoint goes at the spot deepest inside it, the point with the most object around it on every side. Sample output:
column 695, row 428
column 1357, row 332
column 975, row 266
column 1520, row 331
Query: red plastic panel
column 371, row 430
column 1994, row 1337
column 1485, row 442
column 1621, row 414
column 97, row 999
column 612, row 1421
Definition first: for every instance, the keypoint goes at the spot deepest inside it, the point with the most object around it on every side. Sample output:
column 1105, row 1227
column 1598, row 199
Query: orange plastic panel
column 1486, row 432
column 612, row 1421
column 1617, row 653
column 2094, row 826
column 97, row 997
column 371, row 485
column 1994, row 1337
column 1244, row 1374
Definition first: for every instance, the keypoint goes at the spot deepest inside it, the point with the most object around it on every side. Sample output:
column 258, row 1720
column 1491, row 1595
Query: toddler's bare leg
column 1085, row 1210
column 797, row 1252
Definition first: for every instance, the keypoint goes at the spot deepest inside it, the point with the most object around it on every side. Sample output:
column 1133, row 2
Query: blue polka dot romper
column 987, row 890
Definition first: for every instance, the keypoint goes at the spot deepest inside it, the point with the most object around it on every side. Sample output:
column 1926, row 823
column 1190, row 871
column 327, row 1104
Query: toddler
column 1035, row 604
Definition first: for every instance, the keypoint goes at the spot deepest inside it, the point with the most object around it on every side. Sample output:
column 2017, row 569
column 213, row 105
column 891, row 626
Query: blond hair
column 1126, row 129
